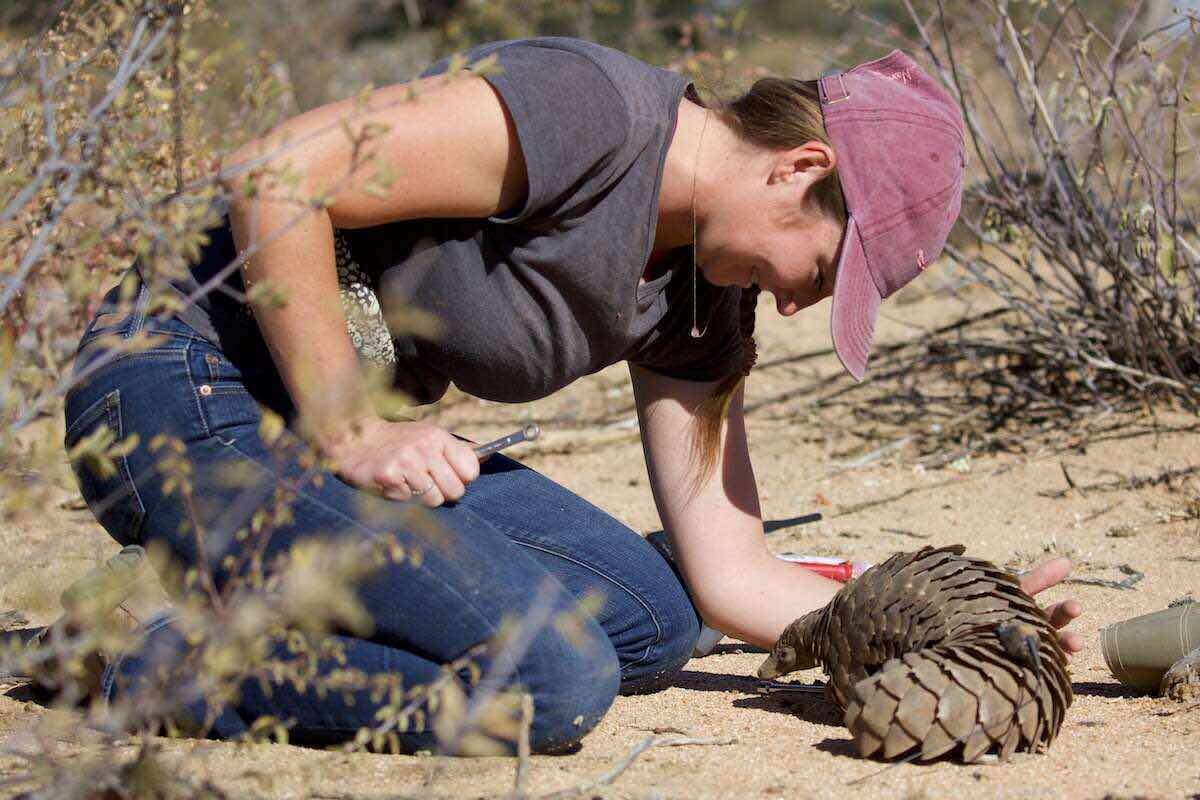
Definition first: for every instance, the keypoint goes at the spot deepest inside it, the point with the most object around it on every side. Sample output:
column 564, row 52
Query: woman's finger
column 424, row 489
column 400, row 493
column 433, row 497
column 1045, row 575
column 462, row 460
column 1071, row 642
column 392, row 484
column 447, row 479
column 1063, row 612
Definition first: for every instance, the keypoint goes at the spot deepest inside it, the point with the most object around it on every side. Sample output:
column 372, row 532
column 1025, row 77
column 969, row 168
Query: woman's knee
column 677, row 628
column 576, row 679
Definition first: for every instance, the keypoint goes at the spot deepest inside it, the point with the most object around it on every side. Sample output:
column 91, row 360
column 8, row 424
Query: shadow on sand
column 810, row 707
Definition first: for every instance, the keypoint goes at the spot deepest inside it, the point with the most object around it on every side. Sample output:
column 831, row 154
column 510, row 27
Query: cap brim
column 856, row 302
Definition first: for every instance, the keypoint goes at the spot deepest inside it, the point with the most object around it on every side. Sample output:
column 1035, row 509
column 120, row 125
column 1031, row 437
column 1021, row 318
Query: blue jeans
column 513, row 532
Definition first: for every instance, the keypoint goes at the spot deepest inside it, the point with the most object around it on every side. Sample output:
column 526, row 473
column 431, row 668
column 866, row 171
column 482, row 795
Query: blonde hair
column 775, row 114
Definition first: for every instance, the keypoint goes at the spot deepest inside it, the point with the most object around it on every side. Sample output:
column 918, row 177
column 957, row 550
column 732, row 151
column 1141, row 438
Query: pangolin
column 934, row 653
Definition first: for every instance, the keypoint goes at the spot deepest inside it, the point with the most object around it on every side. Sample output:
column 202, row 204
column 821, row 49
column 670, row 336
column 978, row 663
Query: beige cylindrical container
column 1139, row 651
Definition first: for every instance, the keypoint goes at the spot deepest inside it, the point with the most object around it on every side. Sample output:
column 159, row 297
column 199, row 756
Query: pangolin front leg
column 1021, row 641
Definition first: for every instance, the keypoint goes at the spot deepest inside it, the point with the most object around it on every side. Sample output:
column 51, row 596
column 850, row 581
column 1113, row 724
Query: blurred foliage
column 116, row 115
column 116, row 118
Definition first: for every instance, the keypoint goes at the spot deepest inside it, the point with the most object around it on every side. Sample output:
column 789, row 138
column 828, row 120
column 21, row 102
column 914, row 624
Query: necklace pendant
column 697, row 333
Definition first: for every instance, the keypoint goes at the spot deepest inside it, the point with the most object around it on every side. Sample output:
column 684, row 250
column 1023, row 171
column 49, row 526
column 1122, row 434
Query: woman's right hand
column 402, row 460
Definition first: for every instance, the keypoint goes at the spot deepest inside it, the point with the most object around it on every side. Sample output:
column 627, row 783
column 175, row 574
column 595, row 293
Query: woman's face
column 771, row 232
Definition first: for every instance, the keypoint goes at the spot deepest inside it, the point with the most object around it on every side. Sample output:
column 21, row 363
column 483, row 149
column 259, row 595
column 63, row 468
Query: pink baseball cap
column 898, row 138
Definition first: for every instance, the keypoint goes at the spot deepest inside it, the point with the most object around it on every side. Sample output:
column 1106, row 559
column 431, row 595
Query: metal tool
column 782, row 687
column 526, row 434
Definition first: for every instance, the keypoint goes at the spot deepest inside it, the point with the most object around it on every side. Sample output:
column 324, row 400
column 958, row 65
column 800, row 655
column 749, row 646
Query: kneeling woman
column 574, row 209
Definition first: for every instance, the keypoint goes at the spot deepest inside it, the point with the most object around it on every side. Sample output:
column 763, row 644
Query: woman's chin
column 722, row 278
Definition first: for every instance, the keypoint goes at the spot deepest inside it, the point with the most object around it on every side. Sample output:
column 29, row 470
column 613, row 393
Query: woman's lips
column 785, row 305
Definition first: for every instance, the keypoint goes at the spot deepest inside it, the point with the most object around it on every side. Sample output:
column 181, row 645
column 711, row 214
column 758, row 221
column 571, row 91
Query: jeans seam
column 151, row 353
column 107, row 411
column 97, row 408
column 187, row 364
column 137, row 495
column 658, row 634
column 492, row 629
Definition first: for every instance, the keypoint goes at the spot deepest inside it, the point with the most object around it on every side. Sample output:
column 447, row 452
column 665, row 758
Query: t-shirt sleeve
column 711, row 357
column 570, row 119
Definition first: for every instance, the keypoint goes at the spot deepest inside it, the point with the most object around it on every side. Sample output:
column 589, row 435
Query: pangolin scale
column 934, row 653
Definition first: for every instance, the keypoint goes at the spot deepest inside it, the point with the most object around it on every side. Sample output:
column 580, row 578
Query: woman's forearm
column 754, row 597
column 716, row 531
column 739, row 586
column 306, row 334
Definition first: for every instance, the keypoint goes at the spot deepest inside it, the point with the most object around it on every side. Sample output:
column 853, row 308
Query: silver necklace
column 696, row 332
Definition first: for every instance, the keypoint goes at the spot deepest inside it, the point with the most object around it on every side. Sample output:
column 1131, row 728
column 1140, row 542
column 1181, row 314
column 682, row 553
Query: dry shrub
column 112, row 139
column 1076, row 258
column 116, row 114
column 1087, row 211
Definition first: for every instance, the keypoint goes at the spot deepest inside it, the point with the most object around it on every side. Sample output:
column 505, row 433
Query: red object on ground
column 833, row 568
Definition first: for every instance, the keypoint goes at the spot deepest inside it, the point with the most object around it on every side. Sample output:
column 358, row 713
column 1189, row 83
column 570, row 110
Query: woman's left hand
column 1043, row 576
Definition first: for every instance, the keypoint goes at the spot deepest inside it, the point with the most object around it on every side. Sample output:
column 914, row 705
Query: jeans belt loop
column 140, row 304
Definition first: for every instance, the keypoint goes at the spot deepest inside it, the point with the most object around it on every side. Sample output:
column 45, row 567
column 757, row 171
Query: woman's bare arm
column 453, row 153
column 739, row 587
column 717, row 535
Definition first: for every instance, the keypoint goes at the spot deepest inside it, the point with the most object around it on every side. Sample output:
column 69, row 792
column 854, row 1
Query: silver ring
column 426, row 490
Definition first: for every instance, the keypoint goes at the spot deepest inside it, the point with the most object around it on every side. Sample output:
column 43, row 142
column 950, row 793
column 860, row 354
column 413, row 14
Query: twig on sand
column 905, row 532
column 1132, row 482
column 1135, row 576
column 871, row 457
column 1067, row 476
column 857, row 507
column 661, row 729
column 1175, row 711
column 1101, row 512
column 624, row 764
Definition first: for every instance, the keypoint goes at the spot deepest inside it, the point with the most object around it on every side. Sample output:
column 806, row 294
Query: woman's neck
column 704, row 155
column 674, row 219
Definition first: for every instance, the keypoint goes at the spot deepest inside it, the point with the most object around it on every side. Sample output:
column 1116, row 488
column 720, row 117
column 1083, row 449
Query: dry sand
column 1114, row 741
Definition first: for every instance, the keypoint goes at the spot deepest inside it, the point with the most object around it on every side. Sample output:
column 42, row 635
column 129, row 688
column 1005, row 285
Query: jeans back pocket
column 103, row 472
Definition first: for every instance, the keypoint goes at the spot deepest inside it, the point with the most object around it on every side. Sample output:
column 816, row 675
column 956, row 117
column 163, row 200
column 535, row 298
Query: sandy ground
column 1114, row 742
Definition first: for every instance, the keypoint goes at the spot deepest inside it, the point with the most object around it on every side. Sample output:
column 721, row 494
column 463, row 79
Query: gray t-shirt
column 550, row 291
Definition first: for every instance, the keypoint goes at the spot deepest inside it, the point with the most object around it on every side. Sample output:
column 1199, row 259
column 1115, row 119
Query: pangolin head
column 794, row 650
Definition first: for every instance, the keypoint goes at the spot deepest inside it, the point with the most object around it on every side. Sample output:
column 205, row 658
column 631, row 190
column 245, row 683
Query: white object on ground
column 707, row 641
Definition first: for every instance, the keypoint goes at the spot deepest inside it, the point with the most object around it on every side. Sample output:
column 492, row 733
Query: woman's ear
column 814, row 160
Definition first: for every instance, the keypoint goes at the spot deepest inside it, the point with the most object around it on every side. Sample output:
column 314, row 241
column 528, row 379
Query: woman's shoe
column 100, row 610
